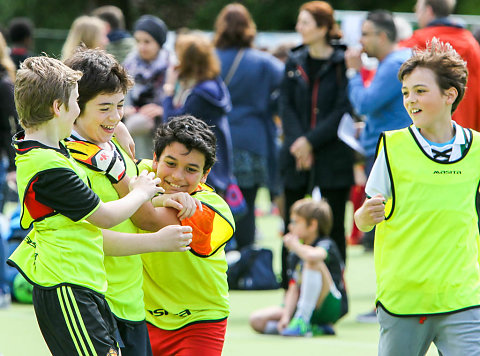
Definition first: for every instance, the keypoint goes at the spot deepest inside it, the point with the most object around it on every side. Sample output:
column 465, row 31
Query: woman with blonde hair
column 195, row 87
column 87, row 30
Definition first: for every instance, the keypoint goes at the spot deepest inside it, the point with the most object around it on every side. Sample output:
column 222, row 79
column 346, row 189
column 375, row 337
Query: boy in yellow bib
column 186, row 294
column 63, row 254
column 421, row 197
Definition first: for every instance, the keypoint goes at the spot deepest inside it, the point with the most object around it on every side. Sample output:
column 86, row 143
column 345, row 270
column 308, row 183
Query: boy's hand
column 370, row 213
column 151, row 111
column 291, row 241
column 183, row 202
column 283, row 323
column 174, row 238
column 147, row 183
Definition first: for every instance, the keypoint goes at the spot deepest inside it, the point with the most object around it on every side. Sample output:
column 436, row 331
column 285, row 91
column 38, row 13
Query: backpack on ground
column 253, row 270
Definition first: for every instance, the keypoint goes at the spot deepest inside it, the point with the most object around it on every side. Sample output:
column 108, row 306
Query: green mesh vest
column 426, row 251
column 57, row 250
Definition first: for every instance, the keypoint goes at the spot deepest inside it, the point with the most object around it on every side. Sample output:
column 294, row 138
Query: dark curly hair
column 193, row 133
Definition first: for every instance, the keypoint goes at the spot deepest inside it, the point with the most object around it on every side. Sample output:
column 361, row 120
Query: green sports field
column 20, row 336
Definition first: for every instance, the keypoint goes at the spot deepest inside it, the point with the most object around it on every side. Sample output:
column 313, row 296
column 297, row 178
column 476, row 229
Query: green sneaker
column 297, row 327
column 324, row 329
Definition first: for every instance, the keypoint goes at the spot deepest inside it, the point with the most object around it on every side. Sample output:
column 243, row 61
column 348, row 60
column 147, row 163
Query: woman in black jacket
column 313, row 99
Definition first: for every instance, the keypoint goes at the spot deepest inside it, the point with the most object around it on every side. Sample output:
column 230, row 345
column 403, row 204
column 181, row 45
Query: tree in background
column 269, row 15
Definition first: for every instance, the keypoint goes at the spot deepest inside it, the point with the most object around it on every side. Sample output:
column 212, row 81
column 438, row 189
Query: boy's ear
column 451, row 94
column 56, row 107
column 313, row 225
column 204, row 178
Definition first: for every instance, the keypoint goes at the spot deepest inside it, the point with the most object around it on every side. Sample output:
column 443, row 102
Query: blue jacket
column 252, row 89
column 210, row 101
column 382, row 101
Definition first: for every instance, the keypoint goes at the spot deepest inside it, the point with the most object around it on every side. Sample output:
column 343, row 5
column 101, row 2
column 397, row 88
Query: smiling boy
column 421, row 198
column 186, row 295
column 102, row 90
column 63, row 254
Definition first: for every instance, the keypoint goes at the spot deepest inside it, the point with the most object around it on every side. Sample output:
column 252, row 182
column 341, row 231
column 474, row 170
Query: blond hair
column 87, row 30
column 5, row 59
column 40, row 81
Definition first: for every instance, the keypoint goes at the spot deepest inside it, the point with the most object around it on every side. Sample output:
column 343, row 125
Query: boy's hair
column 197, row 58
column 111, row 14
column 310, row 209
column 193, row 133
column 384, row 22
column 40, row 81
column 449, row 67
column 102, row 74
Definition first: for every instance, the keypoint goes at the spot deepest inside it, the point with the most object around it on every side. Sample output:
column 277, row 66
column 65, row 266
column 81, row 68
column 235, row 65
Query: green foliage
column 269, row 15
column 44, row 14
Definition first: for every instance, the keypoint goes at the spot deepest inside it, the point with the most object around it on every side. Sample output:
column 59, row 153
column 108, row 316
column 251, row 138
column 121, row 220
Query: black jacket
column 317, row 118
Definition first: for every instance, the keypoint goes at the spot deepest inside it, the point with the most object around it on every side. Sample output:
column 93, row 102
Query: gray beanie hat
column 154, row 26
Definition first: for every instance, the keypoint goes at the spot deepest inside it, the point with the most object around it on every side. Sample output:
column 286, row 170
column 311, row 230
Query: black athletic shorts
column 133, row 338
column 75, row 321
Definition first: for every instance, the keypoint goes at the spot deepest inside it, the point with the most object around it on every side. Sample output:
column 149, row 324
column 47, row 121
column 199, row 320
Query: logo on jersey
column 163, row 312
column 447, row 172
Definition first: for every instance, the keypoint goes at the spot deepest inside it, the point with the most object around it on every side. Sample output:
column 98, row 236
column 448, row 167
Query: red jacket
column 462, row 40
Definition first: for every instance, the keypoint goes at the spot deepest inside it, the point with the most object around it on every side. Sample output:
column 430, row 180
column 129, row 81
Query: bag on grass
column 253, row 271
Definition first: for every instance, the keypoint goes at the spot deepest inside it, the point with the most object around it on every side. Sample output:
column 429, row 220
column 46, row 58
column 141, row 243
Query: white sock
column 271, row 327
column 310, row 290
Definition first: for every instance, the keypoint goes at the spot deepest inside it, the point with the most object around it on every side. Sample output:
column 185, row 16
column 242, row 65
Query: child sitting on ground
column 316, row 296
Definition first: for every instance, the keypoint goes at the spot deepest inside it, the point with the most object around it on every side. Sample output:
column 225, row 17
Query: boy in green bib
column 102, row 90
column 421, row 196
column 186, row 294
column 63, row 254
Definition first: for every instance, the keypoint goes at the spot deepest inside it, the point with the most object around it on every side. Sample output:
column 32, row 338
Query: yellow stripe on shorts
column 77, row 329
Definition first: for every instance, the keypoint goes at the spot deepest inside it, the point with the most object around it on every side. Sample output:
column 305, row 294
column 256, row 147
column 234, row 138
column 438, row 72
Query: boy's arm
column 144, row 187
column 173, row 238
column 151, row 217
column 306, row 252
column 370, row 213
column 290, row 303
